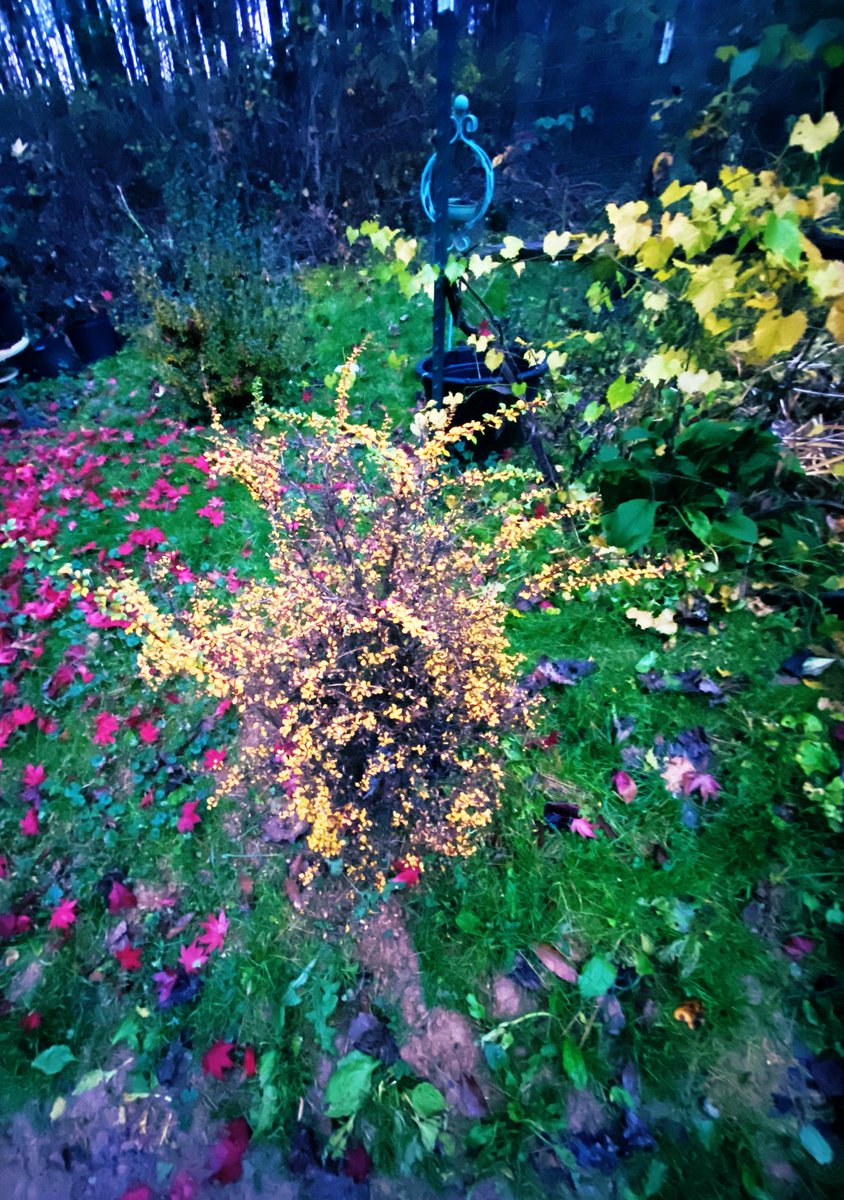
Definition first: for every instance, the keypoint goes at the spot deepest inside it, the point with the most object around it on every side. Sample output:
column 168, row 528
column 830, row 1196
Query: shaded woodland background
column 125, row 123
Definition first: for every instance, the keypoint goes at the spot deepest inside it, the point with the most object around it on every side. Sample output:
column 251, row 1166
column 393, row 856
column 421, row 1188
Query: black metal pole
column 446, row 46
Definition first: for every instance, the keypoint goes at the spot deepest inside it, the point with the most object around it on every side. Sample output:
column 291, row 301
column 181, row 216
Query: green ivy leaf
column 427, row 1101
column 596, row 978
column 574, row 1064
column 620, row 392
column 53, row 1059
column 350, row 1084
column 782, row 237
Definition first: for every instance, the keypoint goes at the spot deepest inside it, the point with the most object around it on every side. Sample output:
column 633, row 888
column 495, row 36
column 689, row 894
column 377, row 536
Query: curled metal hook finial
column 463, row 215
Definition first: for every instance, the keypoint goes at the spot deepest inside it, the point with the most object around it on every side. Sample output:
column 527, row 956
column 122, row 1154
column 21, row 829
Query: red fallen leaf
column 582, row 827
column 30, row 1021
column 212, row 759
column 23, row 715
column 249, row 1065
column 540, row 509
column 105, row 727
column 357, row 1164
column 625, row 786
column 64, row 914
column 217, row 1059
column 183, row 1187
column 227, row 1153
column 307, row 395
column 148, row 733
column 146, row 799
column 552, row 960
column 29, row 822
column 215, row 931
column 34, row 776
column 129, row 958
column 192, row 957
column 188, row 817
column 165, row 981
column 4, row 866
column 797, row 947
column 138, row 1191
column 121, row 898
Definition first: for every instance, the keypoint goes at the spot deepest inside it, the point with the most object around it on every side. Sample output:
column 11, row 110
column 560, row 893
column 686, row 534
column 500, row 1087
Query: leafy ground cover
column 631, row 987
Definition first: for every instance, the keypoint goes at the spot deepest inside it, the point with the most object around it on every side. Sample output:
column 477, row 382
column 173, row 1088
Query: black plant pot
column 484, row 392
column 47, row 358
column 94, row 338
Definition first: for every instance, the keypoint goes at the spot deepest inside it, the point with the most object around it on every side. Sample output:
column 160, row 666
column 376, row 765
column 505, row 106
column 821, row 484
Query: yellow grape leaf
column 711, row 283
column 776, row 334
column 629, row 232
column 821, row 203
column 512, row 246
column 674, row 192
column 663, row 623
column 493, row 360
column 813, row 137
column 655, row 301
column 694, row 383
column 590, row 242
column 554, row 243
column 725, row 53
column 827, row 279
column 835, row 321
column 481, row 342
column 715, row 325
column 764, row 300
column 684, row 233
column 655, row 252
column 663, row 366
column 404, row 249
column 518, row 267
column 481, row 266
column 556, row 360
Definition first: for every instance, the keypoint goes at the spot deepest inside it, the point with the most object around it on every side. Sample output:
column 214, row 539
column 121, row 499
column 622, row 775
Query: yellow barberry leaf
column 813, row 137
column 629, row 233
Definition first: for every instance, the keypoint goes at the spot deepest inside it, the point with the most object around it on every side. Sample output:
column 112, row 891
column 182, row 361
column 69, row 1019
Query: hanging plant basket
column 484, row 392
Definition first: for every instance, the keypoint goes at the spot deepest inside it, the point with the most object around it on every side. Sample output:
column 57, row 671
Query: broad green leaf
column 350, row 1084
column 620, row 392
column 814, row 1143
column 53, row 1059
column 782, row 237
column 631, row 525
column 574, row 1064
column 454, row 268
column 736, row 525
column 596, row 978
column 742, row 64
column 426, row 1100
column 291, row 997
column 814, row 137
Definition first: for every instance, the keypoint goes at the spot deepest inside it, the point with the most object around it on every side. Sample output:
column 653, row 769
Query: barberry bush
column 371, row 668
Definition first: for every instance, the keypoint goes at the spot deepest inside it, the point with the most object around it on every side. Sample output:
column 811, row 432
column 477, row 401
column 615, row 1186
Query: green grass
column 662, row 901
